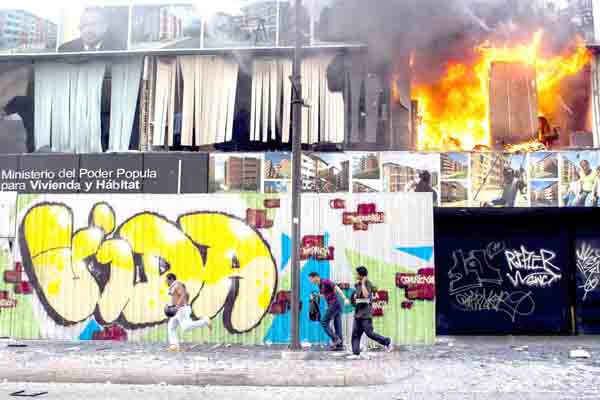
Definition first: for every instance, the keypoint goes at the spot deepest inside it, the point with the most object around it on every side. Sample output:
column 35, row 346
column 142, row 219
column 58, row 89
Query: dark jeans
column 365, row 325
column 333, row 313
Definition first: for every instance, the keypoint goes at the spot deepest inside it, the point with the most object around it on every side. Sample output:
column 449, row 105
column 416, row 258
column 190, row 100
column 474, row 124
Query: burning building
column 494, row 98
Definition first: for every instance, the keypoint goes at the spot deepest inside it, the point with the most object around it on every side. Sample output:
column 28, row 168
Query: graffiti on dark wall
column 531, row 268
column 588, row 266
column 515, row 285
column 476, row 283
column 116, row 273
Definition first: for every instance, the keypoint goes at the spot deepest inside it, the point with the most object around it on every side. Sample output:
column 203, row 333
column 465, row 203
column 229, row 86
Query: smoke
column 444, row 28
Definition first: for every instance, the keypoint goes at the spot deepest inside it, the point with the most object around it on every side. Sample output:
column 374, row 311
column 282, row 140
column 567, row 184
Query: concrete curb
column 305, row 375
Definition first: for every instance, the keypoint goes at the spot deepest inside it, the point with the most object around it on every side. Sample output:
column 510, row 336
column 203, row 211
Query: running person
column 363, row 316
column 180, row 298
column 329, row 290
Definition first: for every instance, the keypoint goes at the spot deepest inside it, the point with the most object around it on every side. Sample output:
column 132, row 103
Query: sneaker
column 353, row 357
column 174, row 348
column 390, row 347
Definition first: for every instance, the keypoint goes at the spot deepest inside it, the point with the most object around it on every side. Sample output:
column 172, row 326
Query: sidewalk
column 130, row 363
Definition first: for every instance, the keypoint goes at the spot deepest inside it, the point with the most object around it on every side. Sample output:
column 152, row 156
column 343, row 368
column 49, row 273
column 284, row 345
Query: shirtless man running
column 180, row 298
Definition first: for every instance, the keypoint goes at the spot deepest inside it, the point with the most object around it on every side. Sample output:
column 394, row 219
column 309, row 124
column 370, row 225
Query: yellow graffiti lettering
column 117, row 273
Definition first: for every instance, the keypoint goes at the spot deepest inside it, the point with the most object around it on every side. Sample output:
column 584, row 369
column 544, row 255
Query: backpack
column 314, row 311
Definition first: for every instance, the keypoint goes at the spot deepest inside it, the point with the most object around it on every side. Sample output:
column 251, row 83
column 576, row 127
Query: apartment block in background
column 242, row 173
column 22, row 30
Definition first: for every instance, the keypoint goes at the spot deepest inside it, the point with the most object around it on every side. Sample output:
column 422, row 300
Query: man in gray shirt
column 363, row 316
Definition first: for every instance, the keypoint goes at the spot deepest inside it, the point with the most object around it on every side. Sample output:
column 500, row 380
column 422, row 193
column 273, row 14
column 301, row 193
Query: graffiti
column 365, row 215
column 512, row 304
column 258, row 219
column 380, row 300
column 531, row 269
column 475, row 270
column 588, row 264
column 6, row 301
column 419, row 286
column 313, row 246
column 116, row 274
column 272, row 203
column 337, row 204
column 16, row 278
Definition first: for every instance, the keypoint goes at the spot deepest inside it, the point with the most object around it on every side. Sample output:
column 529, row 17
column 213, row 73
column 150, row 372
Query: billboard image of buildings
column 543, row 165
column 365, row 166
column 411, row 172
column 23, row 30
column 366, row 186
column 544, row 194
column 325, row 173
column 454, row 165
column 165, row 26
column 235, row 173
column 242, row 23
column 454, row 194
column 278, row 166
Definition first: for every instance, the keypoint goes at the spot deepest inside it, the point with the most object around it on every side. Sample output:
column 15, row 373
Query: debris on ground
column 579, row 353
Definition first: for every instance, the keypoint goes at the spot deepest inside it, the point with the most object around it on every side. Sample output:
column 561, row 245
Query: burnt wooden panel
column 513, row 103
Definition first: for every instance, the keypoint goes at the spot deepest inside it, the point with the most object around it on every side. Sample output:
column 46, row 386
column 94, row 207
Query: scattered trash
column 74, row 349
column 16, row 345
column 450, row 344
column 521, row 348
column 579, row 353
column 23, row 393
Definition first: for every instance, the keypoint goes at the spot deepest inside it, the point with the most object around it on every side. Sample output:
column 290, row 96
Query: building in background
column 242, row 173
column 570, row 171
column 156, row 24
column 396, row 177
column 259, row 21
column 22, row 30
column 359, row 187
column 547, row 195
column 453, row 192
column 451, row 167
column 546, row 167
column 488, row 169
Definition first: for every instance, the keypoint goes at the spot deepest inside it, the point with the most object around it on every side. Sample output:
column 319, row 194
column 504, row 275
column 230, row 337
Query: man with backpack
column 363, row 316
column 329, row 290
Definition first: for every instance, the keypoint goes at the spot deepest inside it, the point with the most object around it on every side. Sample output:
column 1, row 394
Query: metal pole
column 296, row 183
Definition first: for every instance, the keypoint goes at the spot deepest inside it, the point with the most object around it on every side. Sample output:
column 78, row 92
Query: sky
column 539, row 185
column 334, row 160
column 459, row 157
column 535, row 157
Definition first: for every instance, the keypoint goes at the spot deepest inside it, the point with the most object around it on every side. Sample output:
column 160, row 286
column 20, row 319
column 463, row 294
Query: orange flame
column 454, row 111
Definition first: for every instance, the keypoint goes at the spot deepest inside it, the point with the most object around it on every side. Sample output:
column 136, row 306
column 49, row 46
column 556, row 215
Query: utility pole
column 297, row 104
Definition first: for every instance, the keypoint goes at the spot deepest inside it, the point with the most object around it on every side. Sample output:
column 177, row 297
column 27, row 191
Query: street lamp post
column 297, row 104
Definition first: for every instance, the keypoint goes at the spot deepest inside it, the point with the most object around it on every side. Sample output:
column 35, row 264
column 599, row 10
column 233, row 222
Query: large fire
column 454, row 112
